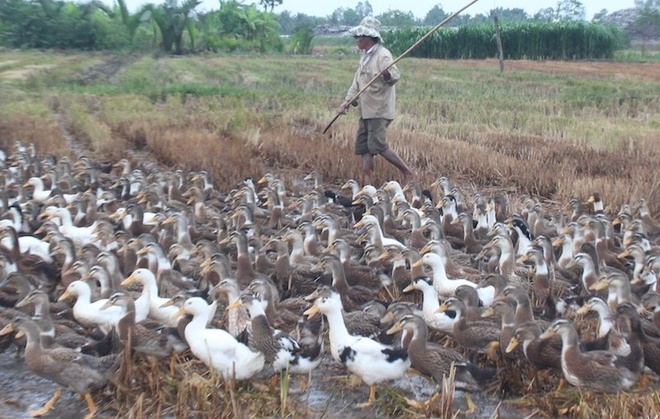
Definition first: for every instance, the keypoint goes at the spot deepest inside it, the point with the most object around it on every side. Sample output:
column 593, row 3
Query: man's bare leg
column 394, row 158
column 367, row 167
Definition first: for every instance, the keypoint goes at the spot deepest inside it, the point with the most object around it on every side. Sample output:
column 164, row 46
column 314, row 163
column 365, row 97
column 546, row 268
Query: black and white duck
column 370, row 360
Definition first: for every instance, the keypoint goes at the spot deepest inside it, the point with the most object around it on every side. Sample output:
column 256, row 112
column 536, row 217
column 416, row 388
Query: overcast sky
column 419, row 8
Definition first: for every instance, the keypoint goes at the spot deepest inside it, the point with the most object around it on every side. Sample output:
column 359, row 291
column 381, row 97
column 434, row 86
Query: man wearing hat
column 376, row 104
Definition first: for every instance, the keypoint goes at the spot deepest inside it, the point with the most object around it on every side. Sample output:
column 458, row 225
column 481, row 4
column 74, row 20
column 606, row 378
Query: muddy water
column 22, row 391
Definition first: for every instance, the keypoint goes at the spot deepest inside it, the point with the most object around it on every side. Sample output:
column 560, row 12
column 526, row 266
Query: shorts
column 371, row 136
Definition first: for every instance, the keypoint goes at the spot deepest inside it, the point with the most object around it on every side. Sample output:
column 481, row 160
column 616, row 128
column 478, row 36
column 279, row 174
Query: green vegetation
column 177, row 27
column 524, row 40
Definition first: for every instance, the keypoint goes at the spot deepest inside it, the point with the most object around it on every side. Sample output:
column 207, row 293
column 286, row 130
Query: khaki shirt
column 379, row 99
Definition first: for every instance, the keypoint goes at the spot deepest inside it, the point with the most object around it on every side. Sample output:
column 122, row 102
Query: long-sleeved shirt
column 378, row 101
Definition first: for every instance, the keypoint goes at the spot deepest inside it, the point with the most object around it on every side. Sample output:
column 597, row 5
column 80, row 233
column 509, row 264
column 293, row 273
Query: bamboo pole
column 406, row 52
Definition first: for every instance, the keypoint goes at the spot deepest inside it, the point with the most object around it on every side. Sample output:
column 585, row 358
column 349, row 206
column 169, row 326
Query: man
column 376, row 104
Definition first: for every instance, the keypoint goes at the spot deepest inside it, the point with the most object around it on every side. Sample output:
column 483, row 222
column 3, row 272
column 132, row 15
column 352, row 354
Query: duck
column 244, row 271
column 281, row 314
column 436, row 361
column 524, row 311
column 357, row 273
column 506, row 264
column 645, row 349
column 142, row 339
column 14, row 287
column 505, row 311
column 457, row 264
column 488, row 259
column 418, row 196
column 471, row 244
column 651, row 302
column 545, row 245
column 546, row 288
column 618, row 288
column 596, row 370
column 650, row 224
column 450, row 212
column 217, row 348
column 39, row 193
column 373, row 231
column 89, row 313
column 370, row 360
column 416, row 238
column 237, row 321
column 564, row 242
column 402, row 268
column 79, row 235
column 25, row 244
column 590, row 274
column 446, row 287
column 147, row 279
column 638, row 254
column 68, row 368
column 430, row 305
column 51, row 334
column 478, row 336
column 280, row 350
column 360, row 322
column 167, row 278
column 352, row 296
column 495, row 280
column 541, row 353
column 469, row 295
column 608, row 337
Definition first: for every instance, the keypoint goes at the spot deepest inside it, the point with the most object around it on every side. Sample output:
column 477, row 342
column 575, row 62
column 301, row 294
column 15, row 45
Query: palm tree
column 132, row 21
column 171, row 20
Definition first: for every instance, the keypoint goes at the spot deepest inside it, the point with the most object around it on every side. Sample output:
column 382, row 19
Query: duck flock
column 98, row 258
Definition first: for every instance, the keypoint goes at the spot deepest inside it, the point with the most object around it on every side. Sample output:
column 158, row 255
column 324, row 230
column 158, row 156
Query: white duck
column 446, row 287
column 430, row 305
column 26, row 244
column 146, row 278
column 217, row 348
column 372, row 361
column 373, row 227
column 89, row 313
column 80, row 235
column 40, row 193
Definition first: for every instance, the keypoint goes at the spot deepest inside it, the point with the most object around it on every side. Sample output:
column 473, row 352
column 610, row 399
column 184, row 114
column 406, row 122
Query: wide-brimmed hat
column 368, row 27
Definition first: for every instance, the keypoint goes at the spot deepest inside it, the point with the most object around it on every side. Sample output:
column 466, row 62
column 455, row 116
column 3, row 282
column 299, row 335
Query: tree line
column 176, row 27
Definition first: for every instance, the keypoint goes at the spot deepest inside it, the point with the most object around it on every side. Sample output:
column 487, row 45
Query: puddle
column 23, row 391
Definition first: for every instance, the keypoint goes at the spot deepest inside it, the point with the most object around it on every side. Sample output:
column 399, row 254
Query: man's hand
column 386, row 74
column 343, row 108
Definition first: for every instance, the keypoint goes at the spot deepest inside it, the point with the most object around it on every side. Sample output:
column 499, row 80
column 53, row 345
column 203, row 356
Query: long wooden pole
column 406, row 52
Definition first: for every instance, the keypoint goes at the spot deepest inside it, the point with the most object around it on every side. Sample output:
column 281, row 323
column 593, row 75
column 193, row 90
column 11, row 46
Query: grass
column 548, row 129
